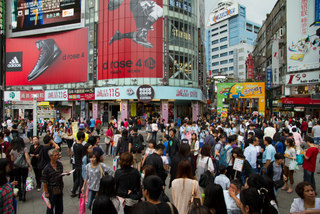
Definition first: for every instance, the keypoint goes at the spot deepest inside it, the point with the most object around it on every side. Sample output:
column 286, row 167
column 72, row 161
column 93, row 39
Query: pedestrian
column 77, row 149
column 214, row 199
column 309, row 163
column 129, row 189
column 222, row 179
column 103, row 205
column 297, row 140
column 194, row 146
column 53, row 182
column 152, row 190
column 14, row 129
column 6, row 190
column 316, row 133
column 268, row 154
column 290, row 159
column 275, row 171
column 98, row 125
column 19, row 155
column 92, row 124
column 173, row 146
column 204, row 161
column 29, row 129
column 251, row 153
column 136, row 144
column 123, row 143
column 95, row 170
column 34, row 151
column 57, row 136
column 184, row 187
column 155, row 128
column 246, row 169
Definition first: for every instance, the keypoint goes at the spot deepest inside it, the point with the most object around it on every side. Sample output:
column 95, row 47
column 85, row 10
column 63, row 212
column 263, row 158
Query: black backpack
column 137, row 143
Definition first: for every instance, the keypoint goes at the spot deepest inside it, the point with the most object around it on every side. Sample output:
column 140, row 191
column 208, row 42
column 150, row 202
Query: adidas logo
column 14, row 63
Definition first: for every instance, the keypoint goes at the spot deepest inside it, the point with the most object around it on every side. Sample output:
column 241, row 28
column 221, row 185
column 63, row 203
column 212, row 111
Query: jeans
column 21, row 175
column 91, row 196
column 56, row 203
column 77, row 181
column 309, row 176
column 154, row 136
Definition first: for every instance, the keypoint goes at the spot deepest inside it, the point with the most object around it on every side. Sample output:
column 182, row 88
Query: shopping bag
column 82, row 207
column 29, row 183
column 46, row 200
column 115, row 163
column 300, row 159
column 293, row 165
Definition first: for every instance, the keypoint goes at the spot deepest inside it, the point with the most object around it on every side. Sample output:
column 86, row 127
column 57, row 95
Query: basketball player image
column 145, row 13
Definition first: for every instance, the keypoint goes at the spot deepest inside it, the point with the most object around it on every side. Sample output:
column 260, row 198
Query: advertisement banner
column 269, row 78
column 51, row 59
column 317, row 12
column 223, row 14
column 56, row 95
column 303, row 78
column 12, row 96
column 299, row 101
column 250, row 66
column 130, row 39
column 28, row 95
column 275, row 62
column 72, row 97
column 245, row 90
column 302, row 41
column 29, row 15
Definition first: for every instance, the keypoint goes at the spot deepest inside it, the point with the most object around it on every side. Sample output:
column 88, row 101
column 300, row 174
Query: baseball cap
column 81, row 126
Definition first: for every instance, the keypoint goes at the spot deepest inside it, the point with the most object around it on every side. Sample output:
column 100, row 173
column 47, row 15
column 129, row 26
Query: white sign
column 303, row 78
column 46, row 113
column 275, row 62
column 303, row 43
column 113, row 93
column 238, row 164
column 56, row 95
column 223, row 14
column 12, row 96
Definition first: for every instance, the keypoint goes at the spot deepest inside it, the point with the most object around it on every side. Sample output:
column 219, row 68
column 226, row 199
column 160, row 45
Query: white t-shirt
column 316, row 131
column 230, row 203
column 223, row 181
column 269, row 132
column 297, row 205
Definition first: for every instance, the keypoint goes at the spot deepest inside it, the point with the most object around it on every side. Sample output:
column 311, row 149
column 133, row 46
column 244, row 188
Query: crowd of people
column 212, row 165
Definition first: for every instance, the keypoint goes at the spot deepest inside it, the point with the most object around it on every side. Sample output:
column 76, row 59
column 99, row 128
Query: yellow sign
column 43, row 103
column 224, row 112
column 133, row 109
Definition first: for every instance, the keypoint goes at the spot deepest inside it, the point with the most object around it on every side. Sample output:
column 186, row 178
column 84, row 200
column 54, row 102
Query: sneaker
column 141, row 38
column 49, row 52
column 115, row 37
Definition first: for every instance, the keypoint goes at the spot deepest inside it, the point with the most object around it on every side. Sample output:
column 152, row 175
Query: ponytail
column 256, row 199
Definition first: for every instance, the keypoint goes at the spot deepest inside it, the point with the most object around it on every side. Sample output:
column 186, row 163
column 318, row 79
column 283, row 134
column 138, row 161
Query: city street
column 35, row 204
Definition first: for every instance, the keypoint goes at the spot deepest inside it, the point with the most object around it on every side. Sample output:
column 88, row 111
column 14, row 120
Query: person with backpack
column 225, row 157
column 136, row 147
column 218, row 149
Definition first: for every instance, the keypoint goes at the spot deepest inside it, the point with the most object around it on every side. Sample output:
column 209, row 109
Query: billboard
column 303, row 43
column 245, row 90
column 130, row 41
column 275, row 62
column 37, row 14
column 305, row 78
column 224, row 14
column 51, row 59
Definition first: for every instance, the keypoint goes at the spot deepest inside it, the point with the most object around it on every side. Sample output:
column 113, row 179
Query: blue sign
column 317, row 12
column 269, row 78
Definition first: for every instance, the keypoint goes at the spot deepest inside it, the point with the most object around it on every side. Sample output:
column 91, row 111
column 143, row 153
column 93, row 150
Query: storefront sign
column 12, row 96
column 275, row 62
column 43, row 104
column 46, row 113
column 250, row 66
column 182, row 6
column 65, row 60
column 56, row 95
column 269, row 78
column 145, row 93
column 29, row 95
column 299, row 101
column 303, row 43
column 89, row 96
column 303, row 78
column 223, row 14
column 128, row 48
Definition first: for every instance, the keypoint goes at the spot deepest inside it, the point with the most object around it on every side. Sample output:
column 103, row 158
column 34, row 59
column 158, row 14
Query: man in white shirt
column 316, row 133
column 251, row 153
column 235, row 188
column 269, row 131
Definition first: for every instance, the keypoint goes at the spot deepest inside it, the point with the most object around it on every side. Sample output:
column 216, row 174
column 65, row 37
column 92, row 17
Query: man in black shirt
column 156, row 161
column 44, row 158
column 14, row 129
column 173, row 146
column 151, row 190
column 77, row 153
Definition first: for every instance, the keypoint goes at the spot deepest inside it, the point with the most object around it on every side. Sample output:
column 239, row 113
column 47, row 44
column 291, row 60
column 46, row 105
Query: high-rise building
column 230, row 37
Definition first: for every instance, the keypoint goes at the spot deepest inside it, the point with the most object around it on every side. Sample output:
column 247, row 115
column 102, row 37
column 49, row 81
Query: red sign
column 89, row 96
column 28, row 95
column 300, row 101
column 51, row 59
column 250, row 66
column 130, row 39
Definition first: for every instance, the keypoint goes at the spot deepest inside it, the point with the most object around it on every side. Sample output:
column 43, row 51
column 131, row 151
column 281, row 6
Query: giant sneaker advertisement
column 51, row 59
column 130, row 39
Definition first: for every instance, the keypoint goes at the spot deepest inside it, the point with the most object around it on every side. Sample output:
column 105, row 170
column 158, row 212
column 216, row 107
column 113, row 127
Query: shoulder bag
column 194, row 201
column 206, row 177
column 21, row 161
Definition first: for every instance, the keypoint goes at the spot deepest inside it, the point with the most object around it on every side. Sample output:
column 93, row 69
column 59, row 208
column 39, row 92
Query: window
column 215, row 41
column 223, row 62
column 223, row 47
column 215, row 63
column 224, row 69
column 223, row 39
column 223, row 26
column 230, row 60
column 256, row 29
column 249, row 27
column 241, row 66
column 230, row 52
column 215, row 56
column 216, row 34
column 231, row 68
column 224, row 31
column 241, row 50
column 224, row 54
column 214, row 29
column 241, row 58
column 215, row 49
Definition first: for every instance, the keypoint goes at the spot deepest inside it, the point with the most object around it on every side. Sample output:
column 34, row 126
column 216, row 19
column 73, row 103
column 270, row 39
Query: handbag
column 206, row 177
column 82, row 207
column 21, row 161
column 293, row 165
column 194, row 201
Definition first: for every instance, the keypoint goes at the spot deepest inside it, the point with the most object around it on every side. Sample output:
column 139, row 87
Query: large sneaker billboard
column 130, row 39
column 51, row 59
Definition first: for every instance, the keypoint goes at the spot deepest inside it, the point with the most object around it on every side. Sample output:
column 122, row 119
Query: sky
column 256, row 9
